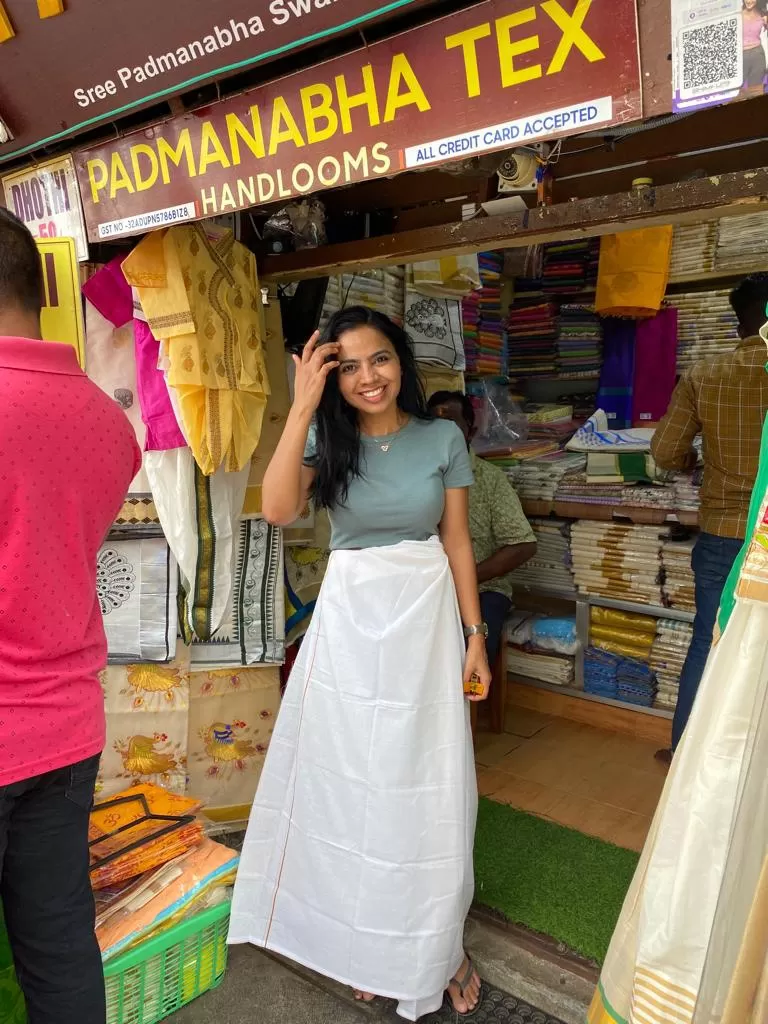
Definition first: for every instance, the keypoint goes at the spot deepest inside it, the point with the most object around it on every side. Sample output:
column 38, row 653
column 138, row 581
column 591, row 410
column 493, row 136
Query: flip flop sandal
column 462, row 983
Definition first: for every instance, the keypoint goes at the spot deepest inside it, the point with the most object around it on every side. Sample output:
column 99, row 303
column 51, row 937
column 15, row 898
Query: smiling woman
column 358, row 857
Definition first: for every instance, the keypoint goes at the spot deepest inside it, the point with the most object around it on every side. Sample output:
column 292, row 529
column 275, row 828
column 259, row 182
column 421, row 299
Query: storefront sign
column 492, row 77
column 719, row 51
column 62, row 316
column 47, row 199
column 105, row 58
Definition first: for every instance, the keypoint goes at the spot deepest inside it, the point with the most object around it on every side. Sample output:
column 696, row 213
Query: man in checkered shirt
column 724, row 399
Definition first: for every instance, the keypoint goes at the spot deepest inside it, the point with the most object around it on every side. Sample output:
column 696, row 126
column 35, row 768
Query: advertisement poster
column 488, row 78
column 62, row 316
column 47, row 199
column 719, row 51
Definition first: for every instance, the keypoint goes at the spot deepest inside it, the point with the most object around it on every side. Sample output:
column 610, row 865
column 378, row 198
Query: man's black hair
column 444, row 397
column 748, row 301
column 21, row 272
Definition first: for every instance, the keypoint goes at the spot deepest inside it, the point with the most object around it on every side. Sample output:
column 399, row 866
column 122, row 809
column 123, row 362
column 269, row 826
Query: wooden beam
column 723, row 195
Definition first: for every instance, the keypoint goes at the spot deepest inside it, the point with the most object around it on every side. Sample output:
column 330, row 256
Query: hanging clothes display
column 277, row 409
column 147, row 710
column 199, row 292
column 614, row 394
column 199, row 515
column 136, row 583
column 633, row 272
column 252, row 629
column 655, row 370
column 231, row 718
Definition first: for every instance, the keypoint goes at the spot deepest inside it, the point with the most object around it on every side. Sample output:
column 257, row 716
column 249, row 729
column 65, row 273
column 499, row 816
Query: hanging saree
column 691, row 945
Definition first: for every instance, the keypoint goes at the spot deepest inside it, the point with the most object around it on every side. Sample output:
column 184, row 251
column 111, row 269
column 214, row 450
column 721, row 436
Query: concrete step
column 534, row 968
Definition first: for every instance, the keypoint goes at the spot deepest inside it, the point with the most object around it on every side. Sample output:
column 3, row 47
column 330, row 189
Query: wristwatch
column 480, row 630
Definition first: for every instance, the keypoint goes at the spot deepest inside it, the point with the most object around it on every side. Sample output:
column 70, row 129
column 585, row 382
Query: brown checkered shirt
column 725, row 400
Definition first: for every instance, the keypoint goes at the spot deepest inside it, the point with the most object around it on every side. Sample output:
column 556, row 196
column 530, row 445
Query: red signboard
column 495, row 76
column 102, row 58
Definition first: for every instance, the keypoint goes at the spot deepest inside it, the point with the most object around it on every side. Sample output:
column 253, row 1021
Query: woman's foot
column 363, row 997
column 464, row 989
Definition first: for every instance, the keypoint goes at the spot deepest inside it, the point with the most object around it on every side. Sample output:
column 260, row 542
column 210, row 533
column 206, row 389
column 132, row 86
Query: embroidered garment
column 199, row 292
column 199, row 515
column 232, row 714
column 305, row 570
column 147, row 708
column 278, row 406
column 253, row 626
column 136, row 582
column 451, row 277
column 435, row 327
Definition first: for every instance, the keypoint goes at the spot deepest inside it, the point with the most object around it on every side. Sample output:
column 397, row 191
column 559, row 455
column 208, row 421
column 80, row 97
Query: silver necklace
column 384, row 446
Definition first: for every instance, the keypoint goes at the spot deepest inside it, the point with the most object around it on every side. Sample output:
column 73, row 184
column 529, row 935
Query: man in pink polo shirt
column 67, row 457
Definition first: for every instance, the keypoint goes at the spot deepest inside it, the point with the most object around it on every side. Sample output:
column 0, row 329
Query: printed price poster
column 62, row 315
column 719, row 51
column 47, row 199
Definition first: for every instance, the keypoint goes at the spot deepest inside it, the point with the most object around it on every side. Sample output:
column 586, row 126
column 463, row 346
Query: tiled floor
column 601, row 783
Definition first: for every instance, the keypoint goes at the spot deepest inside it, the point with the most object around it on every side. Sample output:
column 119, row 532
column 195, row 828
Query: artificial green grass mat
column 549, row 878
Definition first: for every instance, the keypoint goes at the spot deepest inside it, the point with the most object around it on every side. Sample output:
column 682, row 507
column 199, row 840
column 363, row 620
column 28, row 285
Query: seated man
column 501, row 535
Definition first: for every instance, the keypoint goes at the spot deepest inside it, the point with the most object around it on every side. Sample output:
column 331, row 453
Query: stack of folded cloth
column 742, row 242
column 579, row 341
column 706, row 326
column 693, row 249
column 687, row 491
column 635, row 683
column 531, row 334
column 668, row 653
column 520, row 451
column 570, row 267
column 151, row 865
column 555, row 669
column 382, row 290
column 550, row 566
column 575, row 487
column 481, row 316
column 617, row 561
column 624, row 679
column 600, row 673
column 537, row 479
column 678, row 587
column 623, row 633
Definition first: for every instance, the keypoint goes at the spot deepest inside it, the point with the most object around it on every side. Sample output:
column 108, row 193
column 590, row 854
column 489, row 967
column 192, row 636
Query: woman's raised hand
column 312, row 369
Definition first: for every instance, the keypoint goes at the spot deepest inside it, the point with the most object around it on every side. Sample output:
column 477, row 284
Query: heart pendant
column 385, row 447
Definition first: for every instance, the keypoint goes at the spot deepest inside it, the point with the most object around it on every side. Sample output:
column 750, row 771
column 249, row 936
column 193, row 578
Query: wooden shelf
column 713, row 276
column 638, row 515
column 571, row 691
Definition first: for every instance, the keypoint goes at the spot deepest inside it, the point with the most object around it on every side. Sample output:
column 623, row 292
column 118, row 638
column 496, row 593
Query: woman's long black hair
column 337, row 461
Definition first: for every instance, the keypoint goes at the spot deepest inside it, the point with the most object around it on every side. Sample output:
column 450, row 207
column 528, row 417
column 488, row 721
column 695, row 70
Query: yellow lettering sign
column 401, row 73
column 571, row 26
column 509, row 49
column 468, row 40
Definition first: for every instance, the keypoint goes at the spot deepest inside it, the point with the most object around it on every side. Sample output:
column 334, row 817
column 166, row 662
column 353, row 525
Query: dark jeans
column 495, row 608
column 46, row 894
column 712, row 561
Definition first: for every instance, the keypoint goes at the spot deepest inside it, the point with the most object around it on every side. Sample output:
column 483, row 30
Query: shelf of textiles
column 608, row 654
column 728, row 247
column 153, row 866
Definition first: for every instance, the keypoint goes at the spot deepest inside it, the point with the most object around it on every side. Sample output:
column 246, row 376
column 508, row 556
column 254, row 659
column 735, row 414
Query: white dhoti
column 357, row 862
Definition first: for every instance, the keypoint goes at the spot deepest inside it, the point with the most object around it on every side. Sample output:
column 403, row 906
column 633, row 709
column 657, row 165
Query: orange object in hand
column 474, row 687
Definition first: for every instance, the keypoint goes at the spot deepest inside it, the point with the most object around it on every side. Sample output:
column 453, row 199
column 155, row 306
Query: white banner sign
column 47, row 199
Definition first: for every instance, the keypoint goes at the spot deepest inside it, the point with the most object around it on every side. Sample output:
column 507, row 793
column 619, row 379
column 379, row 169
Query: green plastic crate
column 158, row 977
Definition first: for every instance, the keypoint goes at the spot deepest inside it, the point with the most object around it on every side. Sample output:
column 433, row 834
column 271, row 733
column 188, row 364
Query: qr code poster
column 720, row 51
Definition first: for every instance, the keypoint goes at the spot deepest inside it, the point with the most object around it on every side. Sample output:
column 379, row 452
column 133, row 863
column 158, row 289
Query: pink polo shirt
column 67, row 457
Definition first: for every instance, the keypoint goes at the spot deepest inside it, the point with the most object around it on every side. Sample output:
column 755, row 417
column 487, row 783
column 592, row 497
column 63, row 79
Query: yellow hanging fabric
column 200, row 294
column 633, row 272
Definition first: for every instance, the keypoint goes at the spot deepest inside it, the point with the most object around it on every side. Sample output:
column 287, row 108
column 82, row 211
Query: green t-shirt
column 401, row 492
